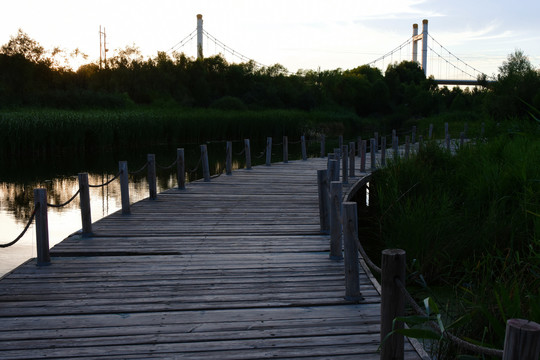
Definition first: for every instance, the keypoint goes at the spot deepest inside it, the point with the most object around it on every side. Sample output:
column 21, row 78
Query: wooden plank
column 234, row 268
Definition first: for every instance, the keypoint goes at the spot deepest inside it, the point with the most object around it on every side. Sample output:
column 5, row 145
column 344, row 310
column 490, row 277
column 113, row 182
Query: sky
column 298, row 34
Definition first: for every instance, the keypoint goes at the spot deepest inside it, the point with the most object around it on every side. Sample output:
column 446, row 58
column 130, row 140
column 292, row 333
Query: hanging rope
column 140, row 170
column 67, row 202
column 23, row 232
column 108, row 182
column 167, row 167
column 196, row 167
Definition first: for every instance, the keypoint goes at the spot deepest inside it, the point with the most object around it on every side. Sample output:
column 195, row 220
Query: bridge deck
column 231, row 269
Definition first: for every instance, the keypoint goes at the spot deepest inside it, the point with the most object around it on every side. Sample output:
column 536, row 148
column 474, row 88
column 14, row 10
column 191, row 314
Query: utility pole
column 102, row 47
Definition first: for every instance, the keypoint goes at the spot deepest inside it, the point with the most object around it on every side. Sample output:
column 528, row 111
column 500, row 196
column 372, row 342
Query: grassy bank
column 37, row 132
column 470, row 223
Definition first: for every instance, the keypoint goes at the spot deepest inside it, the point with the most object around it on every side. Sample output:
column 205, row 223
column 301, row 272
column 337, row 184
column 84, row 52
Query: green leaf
column 413, row 319
column 419, row 333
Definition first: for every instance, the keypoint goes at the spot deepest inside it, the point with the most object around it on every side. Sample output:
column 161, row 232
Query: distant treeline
column 32, row 77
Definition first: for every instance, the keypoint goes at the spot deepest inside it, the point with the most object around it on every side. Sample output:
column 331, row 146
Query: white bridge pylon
column 417, row 37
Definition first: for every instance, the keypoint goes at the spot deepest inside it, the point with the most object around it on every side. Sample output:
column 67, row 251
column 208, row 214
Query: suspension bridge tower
column 199, row 37
column 417, row 37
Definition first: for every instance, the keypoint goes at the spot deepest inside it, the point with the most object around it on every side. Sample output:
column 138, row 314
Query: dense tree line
column 33, row 77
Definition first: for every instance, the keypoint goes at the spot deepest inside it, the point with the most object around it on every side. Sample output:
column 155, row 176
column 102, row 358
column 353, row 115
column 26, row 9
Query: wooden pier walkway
column 235, row 268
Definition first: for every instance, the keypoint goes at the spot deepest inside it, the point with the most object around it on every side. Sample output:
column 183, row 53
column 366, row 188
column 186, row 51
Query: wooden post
column 228, row 158
column 383, row 150
column 352, row 156
column 461, row 139
column 180, row 169
column 84, row 197
column 268, row 151
column 350, row 247
column 340, row 141
column 285, row 149
column 204, row 162
column 328, row 165
column 337, row 153
column 324, row 215
column 376, row 137
column 407, row 146
column 430, row 133
column 345, row 163
column 247, row 150
column 42, row 227
column 363, row 156
column 372, row 154
column 323, row 146
column 522, row 340
column 392, row 302
column 395, row 146
column 335, row 170
column 304, row 150
column 152, row 183
column 359, row 146
column 336, row 243
column 124, row 187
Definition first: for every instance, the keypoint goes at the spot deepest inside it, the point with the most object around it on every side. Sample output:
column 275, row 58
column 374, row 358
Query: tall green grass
column 470, row 222
column 36, row 132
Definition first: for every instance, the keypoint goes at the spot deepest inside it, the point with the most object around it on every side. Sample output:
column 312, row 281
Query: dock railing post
column 42, row 227
column 373, row 155
column 268, row 151
column 407, row 146
column 247, row 150
column 392, row 302
column 323, row 146
column 350, row 249
column 383, row 150
column 304, row 149
column 152, row 183
column 363, row 156
column 84, row 199
column 124, row 187
column 204, row 162
column 336, row 241
column 359, row 146
column 376, row 146
column 522, row 340
column 228, row 158
column 340, row 141
column 180, row 169
column 285, row 149
column 395, row 146
column 430, row 133
column 345, row 163
column 352, row 156
column 324, row 215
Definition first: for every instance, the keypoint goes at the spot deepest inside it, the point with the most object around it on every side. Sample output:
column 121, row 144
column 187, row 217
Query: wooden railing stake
column 152, row 183
column 268, row 151
column 180, row 169
column 392, row 302
column 324, row 214
column 42, row 227
column 345, row 163
column 363, row 156
column 124, row 187
column 204, row 161
column 373, row 154
column 247, row 150
column 84, row 199
column 522, row 340
column 304, row 150
column 352, row 158
column 336, row 241
column 350, row 247
column 228, row 158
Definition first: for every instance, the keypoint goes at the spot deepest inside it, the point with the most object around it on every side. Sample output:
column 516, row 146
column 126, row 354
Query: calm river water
column 59, row 177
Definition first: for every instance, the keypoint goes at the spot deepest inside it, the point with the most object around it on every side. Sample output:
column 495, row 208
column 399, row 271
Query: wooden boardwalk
column 231, row 269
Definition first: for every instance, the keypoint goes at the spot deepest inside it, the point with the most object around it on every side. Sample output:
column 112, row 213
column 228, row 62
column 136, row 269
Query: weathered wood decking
column 231, row 269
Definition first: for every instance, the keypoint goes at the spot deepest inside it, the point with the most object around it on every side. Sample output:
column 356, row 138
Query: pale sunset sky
column 298, row 34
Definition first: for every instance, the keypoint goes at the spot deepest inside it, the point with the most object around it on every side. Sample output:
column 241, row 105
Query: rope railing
column 30, row 220
column 456, row 340
column 191, row 171
column 107, row 182
column 140, row 170
column 167, row 167
column 66, row 203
